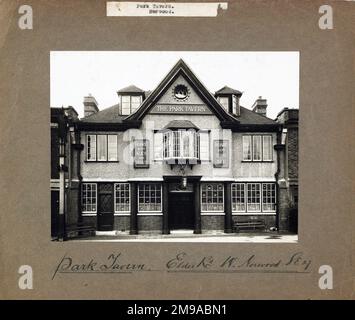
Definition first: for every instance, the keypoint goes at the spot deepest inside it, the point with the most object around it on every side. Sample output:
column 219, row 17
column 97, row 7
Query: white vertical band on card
column 164, row 9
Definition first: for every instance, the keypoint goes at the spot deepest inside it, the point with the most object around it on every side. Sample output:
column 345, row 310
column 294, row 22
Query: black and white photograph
column 174, row 146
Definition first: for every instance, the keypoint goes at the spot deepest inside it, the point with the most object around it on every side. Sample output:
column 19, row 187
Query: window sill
column 149, row 213
column 123, row 214
column 89, row 214
column 257, row 161
column 102, row 161
column 209, row 213
column 272, row 213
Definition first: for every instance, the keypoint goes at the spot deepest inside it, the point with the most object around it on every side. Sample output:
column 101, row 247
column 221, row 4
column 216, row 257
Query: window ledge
column 216, row 213
column 101, row 161
column 149, row 213
column 272, row 213
column 255, row 161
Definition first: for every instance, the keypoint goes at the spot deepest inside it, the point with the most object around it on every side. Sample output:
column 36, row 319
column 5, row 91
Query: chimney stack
column 90, row 105
column 260, row 106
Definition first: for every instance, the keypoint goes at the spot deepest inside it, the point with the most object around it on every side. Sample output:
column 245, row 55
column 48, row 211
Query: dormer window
column 130, row 104
column 224, row 101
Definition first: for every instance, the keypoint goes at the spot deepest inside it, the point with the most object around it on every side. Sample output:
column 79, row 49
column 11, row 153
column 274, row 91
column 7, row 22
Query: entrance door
column 181, row 210
column 105, row 207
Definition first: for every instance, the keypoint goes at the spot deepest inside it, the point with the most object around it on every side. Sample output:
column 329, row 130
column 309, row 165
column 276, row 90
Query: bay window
column 212, row 197
column 179, row 144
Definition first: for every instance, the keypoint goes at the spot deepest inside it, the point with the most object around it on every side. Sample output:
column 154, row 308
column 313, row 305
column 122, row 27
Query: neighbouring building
column 178, row 157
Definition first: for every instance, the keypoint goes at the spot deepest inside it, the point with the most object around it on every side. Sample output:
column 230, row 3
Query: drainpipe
column 278, row 147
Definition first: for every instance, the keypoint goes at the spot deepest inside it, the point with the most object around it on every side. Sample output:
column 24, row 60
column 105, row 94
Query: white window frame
column 254, row 144
column 262, row 137
column 108, row 149
column 90, row 136
column 174, row 148
column 86, row 212
column 225, row 107
column 161, row 198
column 245, row 196
column 129, row 105
column 260, row 197
column 126, row 212
column 234, row 104
column 273, row 196
column 212, row 183
column 269, row 136
column 135, row 103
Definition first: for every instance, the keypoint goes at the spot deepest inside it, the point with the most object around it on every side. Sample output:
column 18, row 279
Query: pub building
column 178, row 157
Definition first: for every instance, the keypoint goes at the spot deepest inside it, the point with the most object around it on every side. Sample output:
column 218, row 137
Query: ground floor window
column 254, row 197
column 269, row 197
column 89, row 197
column 122, row 197
column 149, row 197
column 212, row 197
column 238, row 197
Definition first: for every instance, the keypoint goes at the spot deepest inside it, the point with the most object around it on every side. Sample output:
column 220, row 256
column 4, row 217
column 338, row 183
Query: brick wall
column 121, row 223
column 212, row 222
column 269, row 220
column 292, row 153
column 150, row 223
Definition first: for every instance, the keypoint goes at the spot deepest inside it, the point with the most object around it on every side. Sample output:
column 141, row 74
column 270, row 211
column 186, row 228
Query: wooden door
column 105, row 216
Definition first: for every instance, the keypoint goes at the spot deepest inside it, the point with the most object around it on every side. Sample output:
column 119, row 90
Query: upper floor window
column 182, row 144
column 101, row 147
column 130, row 104
column 224, row 101
column 235, row 105
column 257, row 148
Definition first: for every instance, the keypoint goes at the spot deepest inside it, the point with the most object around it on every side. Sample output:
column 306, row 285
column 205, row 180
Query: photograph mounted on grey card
column 174, row 146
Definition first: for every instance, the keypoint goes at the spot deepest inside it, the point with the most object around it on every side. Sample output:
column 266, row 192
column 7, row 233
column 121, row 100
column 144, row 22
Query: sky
column 272, row 75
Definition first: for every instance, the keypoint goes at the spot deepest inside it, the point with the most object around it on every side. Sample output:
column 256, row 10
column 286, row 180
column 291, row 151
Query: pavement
column 188, row 236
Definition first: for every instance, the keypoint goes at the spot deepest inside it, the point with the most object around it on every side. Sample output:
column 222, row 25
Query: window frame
column 117, row 212
column 96, row 148
column 273, row 196
column 87, row 147
column 86, row 212
column 245, row 196
column 130, row 104
column 212, row 211
column 226, row 108
column 161, row 198
column 262, row 210
column 174, row 147
column 251, row 137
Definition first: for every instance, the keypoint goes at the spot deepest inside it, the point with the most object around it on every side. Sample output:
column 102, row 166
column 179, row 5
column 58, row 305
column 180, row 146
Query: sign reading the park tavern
column 181, row 109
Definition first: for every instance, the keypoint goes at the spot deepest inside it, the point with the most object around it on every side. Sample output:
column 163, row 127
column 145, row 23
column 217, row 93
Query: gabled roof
column 130, row 89
column 228, row 90
column 181, row 68
column 180, row 124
